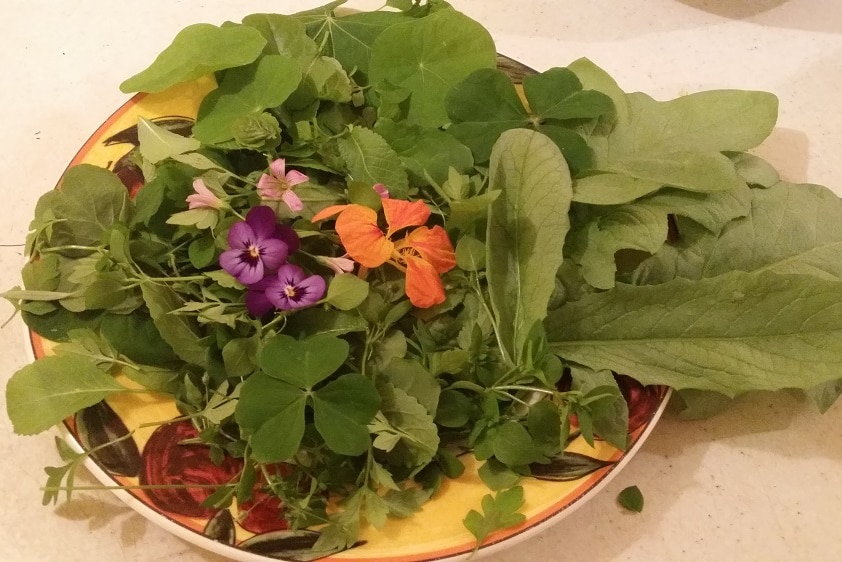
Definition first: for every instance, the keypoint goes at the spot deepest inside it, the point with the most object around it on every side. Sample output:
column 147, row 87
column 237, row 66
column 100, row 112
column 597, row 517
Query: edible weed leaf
column 513, row 446
column 419, row 439
column 370, row 159
column 285, row 35
column 528, row 219
column 341, row 410
column 244, row 92
column 179, row 331
column 303, row 363
column 631, row 498
column 346, row 291
column 411, row 377
column 498, row 512
column 272, row 412
column 157, row 143
column 557, row 94
column 43, row 393
column 731, row 333
column 198, row 50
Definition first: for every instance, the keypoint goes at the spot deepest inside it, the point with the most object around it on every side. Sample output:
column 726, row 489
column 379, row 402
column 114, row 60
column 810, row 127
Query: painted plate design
column 155, row 455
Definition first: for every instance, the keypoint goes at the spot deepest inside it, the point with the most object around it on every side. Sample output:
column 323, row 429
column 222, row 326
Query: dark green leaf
column 272, row 412
column 180, row 332
column 341, row 410
column 303, row 363
column 631, row 498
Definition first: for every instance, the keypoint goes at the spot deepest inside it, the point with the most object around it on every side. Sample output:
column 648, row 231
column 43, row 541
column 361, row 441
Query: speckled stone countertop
column 762, row 481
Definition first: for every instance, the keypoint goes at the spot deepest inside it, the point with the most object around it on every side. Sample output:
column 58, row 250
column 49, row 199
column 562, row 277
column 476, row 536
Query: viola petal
column 328, row 212
column 292, row 200
column 273, row 253
column 423, row 284
column 262, row 220
column 312, row 289
column 278, row 168
column 361, row 237
column 401, row 214
column 433, row 244
column 287, row 235
column 240, row 236
column 294, row 177
column 290, row 274
column 257, row 303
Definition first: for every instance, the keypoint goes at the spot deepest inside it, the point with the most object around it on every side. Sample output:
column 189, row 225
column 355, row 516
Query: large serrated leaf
column 732, row 333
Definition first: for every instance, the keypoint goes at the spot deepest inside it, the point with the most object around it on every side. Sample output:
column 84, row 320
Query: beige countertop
column 761, row 482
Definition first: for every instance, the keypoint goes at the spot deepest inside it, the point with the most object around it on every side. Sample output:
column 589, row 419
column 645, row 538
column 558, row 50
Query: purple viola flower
column 257, row 303
column 292, row 288
column 255, row 249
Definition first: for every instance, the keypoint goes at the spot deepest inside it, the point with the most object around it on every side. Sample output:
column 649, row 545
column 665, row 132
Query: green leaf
column 271, row 411
column 609, row 414
column 528, row 219
column 693, row 171
column 429, row 56
column 707, row 122
column 179, row 331
column 90, row 200
column 408, row 418
column 426, row 153
column 198, row 50
column 240, row 356
column 791, row 228
column 303, row 363
column 370, row 159
column 341, row 410
column 333, row 322
column 411, row 377
column 43, row 393
column 497, row 476
column 631, row 498
column 824, row 395
column 612, row 189
column 347, row 291
column 557, row 94
column 244, row 92
column 498, row 512
column 513, row 445
column 732, row 333
column 284, row 35
column 157, row 143
column 135, row 336
column 454, row 409
column 470, row 254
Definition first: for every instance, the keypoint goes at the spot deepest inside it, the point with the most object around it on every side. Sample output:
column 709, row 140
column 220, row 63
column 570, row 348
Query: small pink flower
column 381, row 190
column 204, row 198
column 338, row 265
column 278, row 183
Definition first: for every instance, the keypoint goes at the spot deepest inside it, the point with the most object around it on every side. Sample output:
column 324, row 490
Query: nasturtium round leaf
column 303, row 363
column 429, row 56
column 198, row 50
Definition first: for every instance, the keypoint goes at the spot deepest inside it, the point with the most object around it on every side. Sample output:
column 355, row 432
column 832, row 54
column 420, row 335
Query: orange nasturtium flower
column 424, row 253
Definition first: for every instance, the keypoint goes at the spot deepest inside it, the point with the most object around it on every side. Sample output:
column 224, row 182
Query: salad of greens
column 373, row 252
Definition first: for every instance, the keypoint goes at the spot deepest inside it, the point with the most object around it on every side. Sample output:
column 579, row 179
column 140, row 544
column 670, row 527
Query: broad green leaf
column 370, row 159
column 89, row 201
column 346, row 291
column 411, row 377
column 791, row 228
column 825, row 395
column 732, row 333
column 610, row 414
column 341, row 410
column 528, row 219
column 426, row 153
column 557, row 94
column 303, row 363
column 334, row 322
column 693, row 171
column 429, row 56
column 612, row 189
column 285, row 35
column 465, row 212
column 707, row 122
column 594, row 78
column 470, row 254
column 454, row 409
column 692, row 404
column 136, row 337
column 497, row 476
column 198, row 50
column 513, row 446
column 245, row 91
column 272, row 412
column 45, row 392
column 29, row 295
column 56, row 324
column 754, row 170
column 157, row 143
column 179, row 331
column 240, row 356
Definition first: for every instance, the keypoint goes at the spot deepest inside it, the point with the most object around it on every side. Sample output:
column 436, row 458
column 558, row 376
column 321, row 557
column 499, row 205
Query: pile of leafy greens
column 594, row 232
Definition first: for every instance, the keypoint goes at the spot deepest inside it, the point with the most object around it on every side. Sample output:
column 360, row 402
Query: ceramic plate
column 154, row 455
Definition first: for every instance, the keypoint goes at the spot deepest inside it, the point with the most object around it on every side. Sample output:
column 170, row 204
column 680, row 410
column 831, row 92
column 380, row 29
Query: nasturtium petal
column 196, row 51
column 402, row 214
column 362, row 237
column 423, row 284
column 433, row 244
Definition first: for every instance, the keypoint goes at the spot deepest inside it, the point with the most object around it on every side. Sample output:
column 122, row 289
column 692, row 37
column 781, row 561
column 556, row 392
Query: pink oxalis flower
column 278, row 183
column 203, row 198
